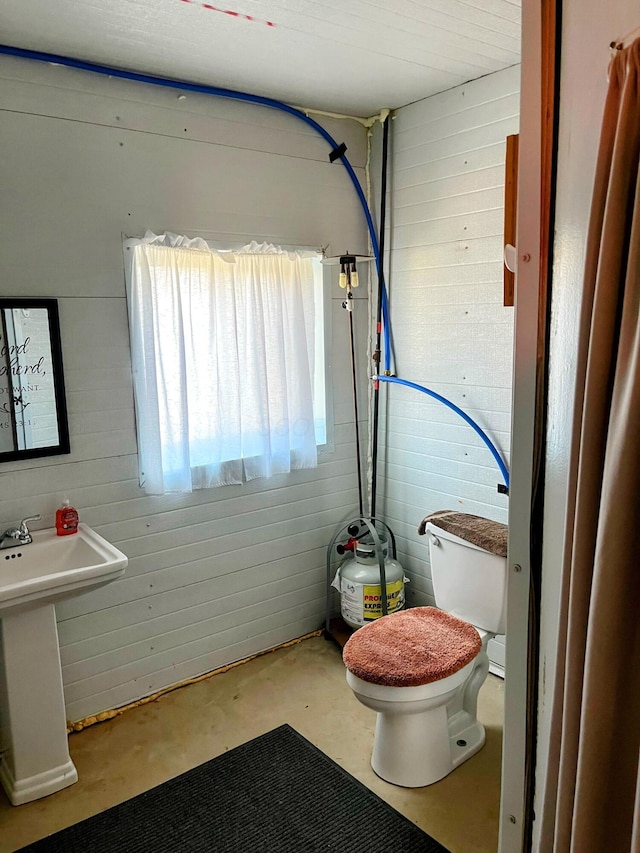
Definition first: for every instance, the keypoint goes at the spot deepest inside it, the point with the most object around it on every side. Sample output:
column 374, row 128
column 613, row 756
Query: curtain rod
column 620, row 44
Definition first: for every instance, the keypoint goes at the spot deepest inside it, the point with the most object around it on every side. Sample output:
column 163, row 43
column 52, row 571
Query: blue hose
column 465, row 417
column 237, row 96
column 278, row 105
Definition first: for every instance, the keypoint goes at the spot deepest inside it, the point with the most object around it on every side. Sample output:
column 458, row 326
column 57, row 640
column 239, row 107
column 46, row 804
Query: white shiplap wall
column 451, row 331
column 220, row 574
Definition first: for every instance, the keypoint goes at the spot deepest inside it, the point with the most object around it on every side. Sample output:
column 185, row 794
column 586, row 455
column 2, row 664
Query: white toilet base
column 425, row 732
column 416, row 750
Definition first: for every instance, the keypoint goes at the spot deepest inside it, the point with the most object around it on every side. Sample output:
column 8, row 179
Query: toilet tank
column 468, row 581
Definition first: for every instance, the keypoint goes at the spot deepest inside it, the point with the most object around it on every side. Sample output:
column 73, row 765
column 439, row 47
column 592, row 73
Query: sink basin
column 55, row 567
column 34, row 753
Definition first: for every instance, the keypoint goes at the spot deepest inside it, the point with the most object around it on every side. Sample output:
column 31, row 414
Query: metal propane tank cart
column 368, row 577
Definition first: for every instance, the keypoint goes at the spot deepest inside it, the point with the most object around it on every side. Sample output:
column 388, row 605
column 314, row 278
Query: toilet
column 421, row 669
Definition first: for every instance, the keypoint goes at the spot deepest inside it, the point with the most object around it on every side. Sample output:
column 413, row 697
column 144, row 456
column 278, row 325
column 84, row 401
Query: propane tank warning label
column 362, row 603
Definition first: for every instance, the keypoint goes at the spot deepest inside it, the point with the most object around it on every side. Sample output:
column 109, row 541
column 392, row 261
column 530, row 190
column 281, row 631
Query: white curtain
column 222, row 352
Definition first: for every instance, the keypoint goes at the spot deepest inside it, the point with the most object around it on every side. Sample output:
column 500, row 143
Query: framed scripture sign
column 33, row 412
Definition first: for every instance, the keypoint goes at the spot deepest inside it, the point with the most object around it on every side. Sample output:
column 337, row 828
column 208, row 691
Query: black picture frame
column 8, row 359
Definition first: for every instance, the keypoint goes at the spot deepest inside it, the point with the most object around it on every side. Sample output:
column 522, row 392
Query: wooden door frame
column 538, row 145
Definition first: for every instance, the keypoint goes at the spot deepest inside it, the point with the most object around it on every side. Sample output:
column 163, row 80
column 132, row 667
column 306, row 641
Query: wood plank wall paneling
column 219, row 574
column 451, row 331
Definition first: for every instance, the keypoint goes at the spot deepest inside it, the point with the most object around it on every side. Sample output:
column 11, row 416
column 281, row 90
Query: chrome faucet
column 15, row 536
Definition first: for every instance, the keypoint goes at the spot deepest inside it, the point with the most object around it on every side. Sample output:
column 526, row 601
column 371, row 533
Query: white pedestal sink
column 33, row 728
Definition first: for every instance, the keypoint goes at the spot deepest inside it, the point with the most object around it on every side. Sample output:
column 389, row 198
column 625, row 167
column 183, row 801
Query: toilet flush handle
column 434, row 539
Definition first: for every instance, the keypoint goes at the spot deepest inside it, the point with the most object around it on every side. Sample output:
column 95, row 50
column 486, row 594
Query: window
column 228, row 361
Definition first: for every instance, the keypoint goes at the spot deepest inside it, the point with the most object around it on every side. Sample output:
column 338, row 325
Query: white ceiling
column 349, row 56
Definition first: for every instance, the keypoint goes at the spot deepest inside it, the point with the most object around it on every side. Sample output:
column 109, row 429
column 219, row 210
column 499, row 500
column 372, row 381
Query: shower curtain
column 593, row 800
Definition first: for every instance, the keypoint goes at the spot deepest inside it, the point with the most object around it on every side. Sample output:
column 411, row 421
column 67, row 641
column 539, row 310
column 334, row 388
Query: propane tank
column 358, row 581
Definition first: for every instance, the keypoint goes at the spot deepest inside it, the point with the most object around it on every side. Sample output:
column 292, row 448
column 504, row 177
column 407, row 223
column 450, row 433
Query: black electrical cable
column 349, row 306
column 377, row 354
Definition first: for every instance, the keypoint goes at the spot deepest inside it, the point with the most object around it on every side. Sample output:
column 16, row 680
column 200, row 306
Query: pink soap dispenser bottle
column 66, row 519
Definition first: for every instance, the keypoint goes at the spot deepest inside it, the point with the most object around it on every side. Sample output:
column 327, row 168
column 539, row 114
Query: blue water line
column 238, row 96
column 465, row 417
column 279, row 105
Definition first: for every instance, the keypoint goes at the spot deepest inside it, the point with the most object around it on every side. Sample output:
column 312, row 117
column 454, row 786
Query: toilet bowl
column 421, row 669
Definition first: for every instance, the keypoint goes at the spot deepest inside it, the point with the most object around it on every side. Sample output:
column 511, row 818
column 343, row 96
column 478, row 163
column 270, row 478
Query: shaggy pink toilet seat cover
column 411, row 647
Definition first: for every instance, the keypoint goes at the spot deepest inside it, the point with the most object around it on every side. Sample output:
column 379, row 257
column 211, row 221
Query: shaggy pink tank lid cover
column 411, row 647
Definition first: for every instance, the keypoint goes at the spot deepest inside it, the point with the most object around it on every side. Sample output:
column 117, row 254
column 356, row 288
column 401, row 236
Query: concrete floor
column 303, row 685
